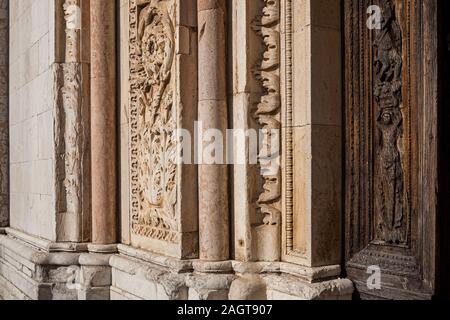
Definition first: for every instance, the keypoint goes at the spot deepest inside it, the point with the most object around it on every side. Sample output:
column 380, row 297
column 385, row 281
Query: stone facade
column 32, row 156
column 94, row 202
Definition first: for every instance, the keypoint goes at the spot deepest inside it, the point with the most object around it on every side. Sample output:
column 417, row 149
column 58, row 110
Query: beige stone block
column 248, row 287
column 138, row 287
column 212, row 53
column 302, row 182
column 301, row 14
column 326, row 195
column 302, row 79
column 317, row 189
column 44, row 55
column 45, row 136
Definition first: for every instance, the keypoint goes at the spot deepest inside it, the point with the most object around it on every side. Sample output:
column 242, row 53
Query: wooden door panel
column 390, row 147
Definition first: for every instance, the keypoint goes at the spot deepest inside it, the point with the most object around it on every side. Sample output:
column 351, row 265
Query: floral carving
column 154, row 169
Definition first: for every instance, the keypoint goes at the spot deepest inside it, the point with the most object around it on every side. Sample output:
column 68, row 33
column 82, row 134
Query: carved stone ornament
column 71, row 141
column 153, row 121
column 268, row 111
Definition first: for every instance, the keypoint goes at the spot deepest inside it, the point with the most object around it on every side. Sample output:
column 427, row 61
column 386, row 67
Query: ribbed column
column 103, row 119
column 212, row 114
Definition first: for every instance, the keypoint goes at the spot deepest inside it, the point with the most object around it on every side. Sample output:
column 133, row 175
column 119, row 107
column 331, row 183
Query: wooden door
column 392, row 133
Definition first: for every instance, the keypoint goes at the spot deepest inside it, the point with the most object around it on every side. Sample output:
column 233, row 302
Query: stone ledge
column 46, row 245
column 288, row 287
column 39, row 275
column 153, row 278
column 35, row 274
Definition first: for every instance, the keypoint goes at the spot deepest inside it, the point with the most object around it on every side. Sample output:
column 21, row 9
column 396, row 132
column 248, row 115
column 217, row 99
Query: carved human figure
column 390, row 187
column 389, row 191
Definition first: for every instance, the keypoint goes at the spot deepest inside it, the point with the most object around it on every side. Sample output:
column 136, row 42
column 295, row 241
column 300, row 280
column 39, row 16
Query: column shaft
column 103, row 118
column 212, row 114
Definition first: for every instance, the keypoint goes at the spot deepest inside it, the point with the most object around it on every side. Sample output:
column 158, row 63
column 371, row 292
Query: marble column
column 212, row 114
column 4, row 115
column 103, row 122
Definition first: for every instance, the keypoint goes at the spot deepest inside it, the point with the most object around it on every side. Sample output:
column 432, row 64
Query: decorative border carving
column 289, row 157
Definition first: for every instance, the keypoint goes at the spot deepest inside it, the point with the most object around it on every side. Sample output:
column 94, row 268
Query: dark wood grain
column 392, row 103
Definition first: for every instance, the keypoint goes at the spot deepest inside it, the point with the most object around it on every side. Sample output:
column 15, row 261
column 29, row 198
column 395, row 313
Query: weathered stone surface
column 248, row 287
column 287, row 287
column 31, row 117
column 163, row 100
column 213, row 114
column 4, row 114
column 103, row 121
column 245, row 64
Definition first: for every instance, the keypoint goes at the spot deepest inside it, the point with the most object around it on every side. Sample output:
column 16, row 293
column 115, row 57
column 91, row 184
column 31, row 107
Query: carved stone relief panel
column 384, row 215
column 4, row 115
column 156, row 112
column 71, row 128
column 268, row 115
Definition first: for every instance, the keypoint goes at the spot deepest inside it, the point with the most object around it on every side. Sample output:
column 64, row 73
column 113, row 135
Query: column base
column 288, row 287
column 35, row 269
column 141, row 275
column 30, row 273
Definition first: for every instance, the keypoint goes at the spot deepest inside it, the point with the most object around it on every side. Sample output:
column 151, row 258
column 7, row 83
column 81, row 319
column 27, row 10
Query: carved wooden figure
column 391, row 148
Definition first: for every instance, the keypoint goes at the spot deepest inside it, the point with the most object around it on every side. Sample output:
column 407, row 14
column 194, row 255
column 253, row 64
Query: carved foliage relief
column 268, row 111
column 153, row 120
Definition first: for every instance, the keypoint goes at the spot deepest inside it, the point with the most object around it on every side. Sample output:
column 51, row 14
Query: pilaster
column 163, row 212
column 312, row 139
